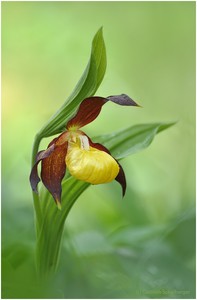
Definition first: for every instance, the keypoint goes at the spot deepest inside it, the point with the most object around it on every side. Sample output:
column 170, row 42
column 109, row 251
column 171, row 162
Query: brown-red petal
column 121, row 175
column 88, row 110
column 53, row 170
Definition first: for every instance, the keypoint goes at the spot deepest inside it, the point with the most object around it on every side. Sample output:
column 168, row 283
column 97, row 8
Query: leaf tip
column 59, row 206
column 98, row 37
column 164, row 126
column 100, row 30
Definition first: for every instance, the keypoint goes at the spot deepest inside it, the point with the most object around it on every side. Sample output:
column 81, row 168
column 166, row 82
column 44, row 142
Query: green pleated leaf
column 131, row 140
column 121, row 144
column 86, row 87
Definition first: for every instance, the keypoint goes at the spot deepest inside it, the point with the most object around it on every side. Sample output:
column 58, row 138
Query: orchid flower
column 73, row 149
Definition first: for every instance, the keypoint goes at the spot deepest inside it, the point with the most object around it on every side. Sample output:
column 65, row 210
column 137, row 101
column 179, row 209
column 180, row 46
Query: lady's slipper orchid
column 85, row 160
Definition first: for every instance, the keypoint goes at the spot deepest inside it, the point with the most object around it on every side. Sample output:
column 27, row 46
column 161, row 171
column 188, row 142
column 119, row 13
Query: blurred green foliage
column 144, row 245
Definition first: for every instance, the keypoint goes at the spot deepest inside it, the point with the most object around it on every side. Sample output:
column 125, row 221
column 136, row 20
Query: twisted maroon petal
column 121, row 179
column 121, row 175
column 90, row 108
column 34, row 178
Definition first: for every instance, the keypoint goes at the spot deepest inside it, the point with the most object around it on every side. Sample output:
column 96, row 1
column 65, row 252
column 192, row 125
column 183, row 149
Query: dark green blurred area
column 144, row 245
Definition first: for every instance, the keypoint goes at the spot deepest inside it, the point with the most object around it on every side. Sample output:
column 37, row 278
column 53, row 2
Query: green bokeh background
column 144, row 245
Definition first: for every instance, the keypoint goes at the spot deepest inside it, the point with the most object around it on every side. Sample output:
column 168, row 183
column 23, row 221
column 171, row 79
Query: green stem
column 51, row 231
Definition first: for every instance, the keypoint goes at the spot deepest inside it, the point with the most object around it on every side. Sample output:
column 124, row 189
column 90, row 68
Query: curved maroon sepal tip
column 53, row 170
column 123, row 99
column 121, row 179
column 88, row 110
column 121, row 175
column 34, row 178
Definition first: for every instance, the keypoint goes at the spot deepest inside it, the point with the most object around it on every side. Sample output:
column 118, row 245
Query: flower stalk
column 88, row 162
